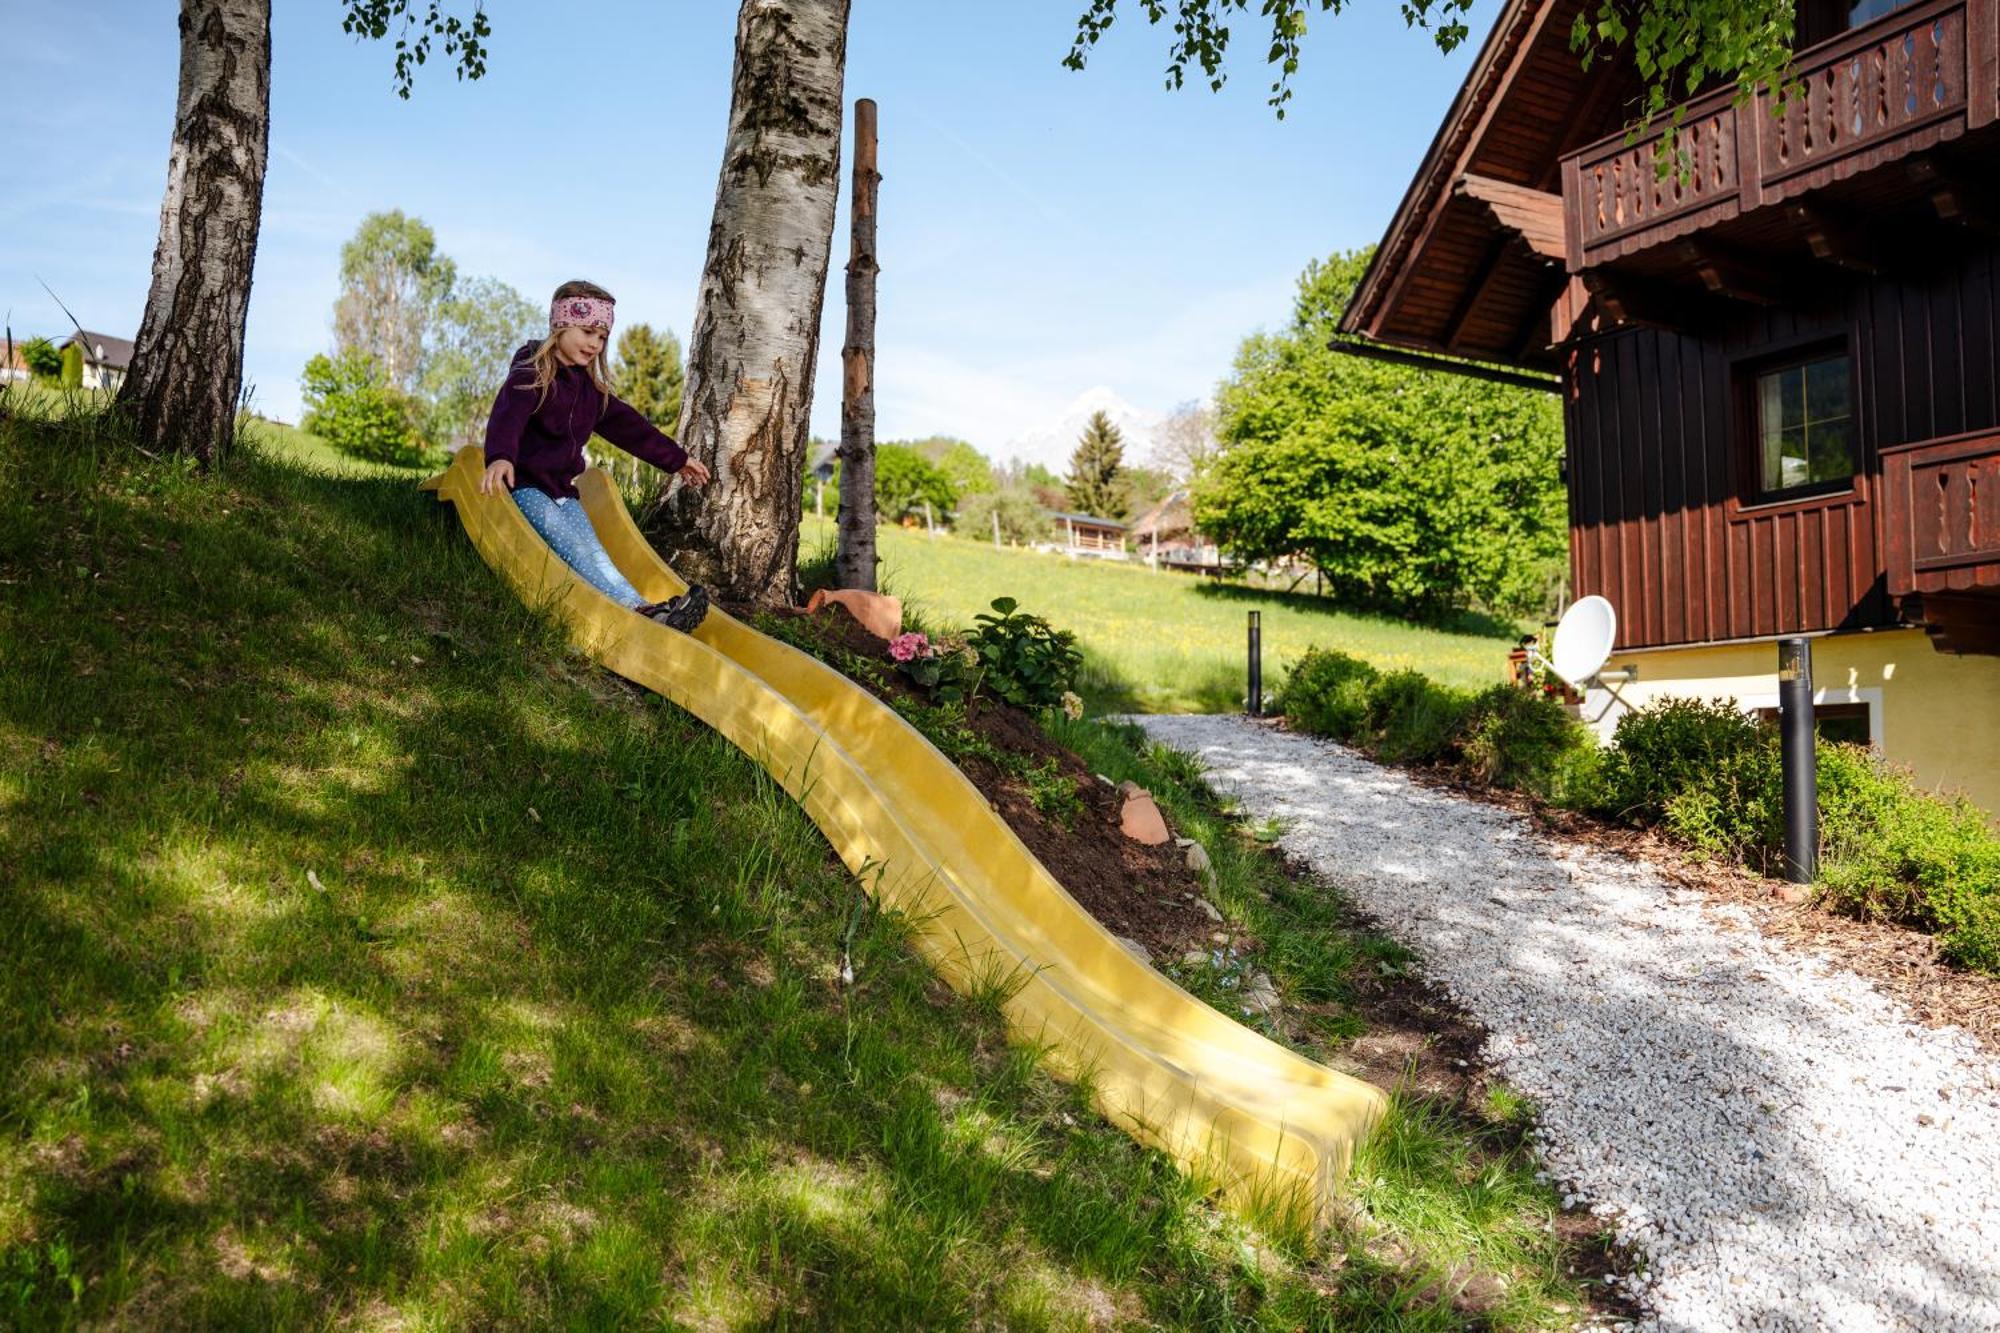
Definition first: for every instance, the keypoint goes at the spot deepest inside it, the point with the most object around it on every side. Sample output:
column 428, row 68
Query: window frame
column 1751, row 498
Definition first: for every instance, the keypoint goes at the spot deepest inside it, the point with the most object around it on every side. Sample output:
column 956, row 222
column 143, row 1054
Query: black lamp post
column 1801, row 761
column 1256, row 667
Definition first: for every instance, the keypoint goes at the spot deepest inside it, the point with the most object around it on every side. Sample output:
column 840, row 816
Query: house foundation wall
column 1936, row 713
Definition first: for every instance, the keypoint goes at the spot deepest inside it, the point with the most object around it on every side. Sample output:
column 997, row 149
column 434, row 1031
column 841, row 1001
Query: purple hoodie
column 545, row 444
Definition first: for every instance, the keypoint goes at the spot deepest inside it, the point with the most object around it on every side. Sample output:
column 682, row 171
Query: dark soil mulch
column 1139, row 892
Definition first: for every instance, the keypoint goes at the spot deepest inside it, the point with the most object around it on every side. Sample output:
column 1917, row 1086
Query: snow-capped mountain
column 1051, row 445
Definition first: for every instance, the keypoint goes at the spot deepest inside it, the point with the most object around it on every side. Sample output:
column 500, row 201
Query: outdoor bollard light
column 1256, row 668
column 1801, row 763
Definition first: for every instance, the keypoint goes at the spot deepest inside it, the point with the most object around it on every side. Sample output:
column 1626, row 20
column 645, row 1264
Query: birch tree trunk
column 756, row 327
column 854, row 557
column 187, row 364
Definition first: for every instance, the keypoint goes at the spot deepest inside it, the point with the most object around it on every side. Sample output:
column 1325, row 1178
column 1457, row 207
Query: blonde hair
column 545, row 365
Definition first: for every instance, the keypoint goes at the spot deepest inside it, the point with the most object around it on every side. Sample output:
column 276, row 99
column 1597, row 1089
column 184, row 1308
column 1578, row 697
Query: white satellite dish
column 1584, row 637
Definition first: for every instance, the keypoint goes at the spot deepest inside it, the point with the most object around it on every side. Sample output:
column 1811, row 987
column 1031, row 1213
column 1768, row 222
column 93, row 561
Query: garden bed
column 1065, row 814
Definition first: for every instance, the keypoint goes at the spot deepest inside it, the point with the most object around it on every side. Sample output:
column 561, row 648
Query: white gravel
column 1781, row 1143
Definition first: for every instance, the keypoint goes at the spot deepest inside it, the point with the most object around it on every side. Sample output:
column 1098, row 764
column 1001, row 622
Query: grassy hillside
column 369, row 958
column 1161, row 641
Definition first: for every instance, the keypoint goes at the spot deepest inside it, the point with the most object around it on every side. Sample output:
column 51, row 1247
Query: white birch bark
column 756, row 327
column 187, row 363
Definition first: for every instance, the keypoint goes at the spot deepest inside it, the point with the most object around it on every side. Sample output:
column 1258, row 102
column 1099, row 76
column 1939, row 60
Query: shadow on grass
column 370, row 955
column 1479, row 624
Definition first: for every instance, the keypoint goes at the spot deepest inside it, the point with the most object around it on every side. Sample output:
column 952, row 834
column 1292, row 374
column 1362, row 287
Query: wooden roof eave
column 1513, row 35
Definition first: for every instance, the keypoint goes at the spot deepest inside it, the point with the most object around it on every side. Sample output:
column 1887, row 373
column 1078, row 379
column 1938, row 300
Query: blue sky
column 1042, row 231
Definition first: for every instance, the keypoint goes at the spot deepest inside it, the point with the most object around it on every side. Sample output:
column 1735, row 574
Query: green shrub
column 1894, row 852
column 1668, row 747
column 1525, row 741
column 42, row 358
column 1327, row 694
column 1734, row 809
column 1413, row 720
column 1025, row 660
column 351, row 406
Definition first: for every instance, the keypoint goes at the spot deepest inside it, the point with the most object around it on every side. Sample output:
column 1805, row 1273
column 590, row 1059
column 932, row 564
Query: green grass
column 1162, row 642
column 369, row 957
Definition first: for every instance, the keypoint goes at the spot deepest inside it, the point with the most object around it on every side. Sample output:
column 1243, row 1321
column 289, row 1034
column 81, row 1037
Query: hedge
column 1702, row 772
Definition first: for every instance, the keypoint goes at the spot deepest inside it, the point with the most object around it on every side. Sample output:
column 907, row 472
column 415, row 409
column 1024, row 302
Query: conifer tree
column 1094, row 482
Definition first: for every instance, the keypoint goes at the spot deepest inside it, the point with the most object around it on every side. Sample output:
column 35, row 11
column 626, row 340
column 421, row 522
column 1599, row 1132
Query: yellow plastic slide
column 1273, row 1129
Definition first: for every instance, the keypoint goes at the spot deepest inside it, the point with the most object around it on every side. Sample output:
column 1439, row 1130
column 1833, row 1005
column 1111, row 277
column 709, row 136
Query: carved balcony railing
column 1894, row 87
column 1941, row 514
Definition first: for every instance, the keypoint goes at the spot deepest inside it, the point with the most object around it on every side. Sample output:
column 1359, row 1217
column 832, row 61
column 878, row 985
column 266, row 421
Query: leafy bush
column 1022, row 519
column 1503, row 737
column 1024, row 659
column 905, row 480
column 1327, row 694
column 1526, row 741
column 41, row 358
column 1669, row 747
column 1412, row 720
column 350, row 404
column 1892, row 851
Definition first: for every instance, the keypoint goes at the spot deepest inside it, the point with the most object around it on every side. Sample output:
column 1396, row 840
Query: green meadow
column 1158, row 641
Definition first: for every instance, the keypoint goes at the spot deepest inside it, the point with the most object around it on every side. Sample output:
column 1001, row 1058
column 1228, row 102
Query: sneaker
column 684, row 612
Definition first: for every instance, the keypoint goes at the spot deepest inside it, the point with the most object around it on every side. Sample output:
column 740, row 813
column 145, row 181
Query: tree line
column 420, row 348
column 755, row 330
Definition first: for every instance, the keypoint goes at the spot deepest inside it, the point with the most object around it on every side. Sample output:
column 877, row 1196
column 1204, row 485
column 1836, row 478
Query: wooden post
column 854, row 559
column 996, row 527
column 819, row 499
column 930, row 519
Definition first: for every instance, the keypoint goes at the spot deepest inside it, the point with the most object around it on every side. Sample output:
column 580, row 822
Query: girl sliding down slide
column 555, row 397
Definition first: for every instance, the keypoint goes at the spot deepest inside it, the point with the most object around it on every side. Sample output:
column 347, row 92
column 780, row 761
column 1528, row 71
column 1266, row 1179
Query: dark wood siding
column 1659, row 463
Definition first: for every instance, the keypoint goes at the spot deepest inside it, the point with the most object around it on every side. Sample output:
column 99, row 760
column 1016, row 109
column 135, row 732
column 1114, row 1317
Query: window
column 1867, row 11
column 1845, row 724
column 1805, row 429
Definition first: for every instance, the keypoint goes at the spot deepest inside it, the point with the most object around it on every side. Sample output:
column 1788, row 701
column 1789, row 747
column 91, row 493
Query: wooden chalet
column 1165, row 536
column 1777, row 365
column 1089, row 535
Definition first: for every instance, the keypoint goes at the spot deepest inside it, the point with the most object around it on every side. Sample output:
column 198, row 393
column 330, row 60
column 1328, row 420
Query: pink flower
column 909, row 647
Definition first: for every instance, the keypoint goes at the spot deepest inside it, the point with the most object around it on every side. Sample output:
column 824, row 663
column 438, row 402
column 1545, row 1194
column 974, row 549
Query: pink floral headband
column 579, row 312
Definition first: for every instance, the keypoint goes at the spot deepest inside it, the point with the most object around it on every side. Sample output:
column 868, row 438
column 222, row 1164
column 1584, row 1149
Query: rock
column 1197, row 859
column 1136, row 949
column 1792, row 893
column 1195, row 957
column 1106, row 781
column 1209, row 907
column 1183, row 842
column 1142, row 821
column 1261, row 993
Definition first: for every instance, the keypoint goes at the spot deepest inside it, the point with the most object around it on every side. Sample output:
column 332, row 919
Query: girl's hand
column 694, row 472
column 499, row 478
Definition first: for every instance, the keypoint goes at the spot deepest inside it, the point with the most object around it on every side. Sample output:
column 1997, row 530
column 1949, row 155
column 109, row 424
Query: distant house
column 1086, row 534
column 105, row 359
column 1165, row 536
column 13, row 366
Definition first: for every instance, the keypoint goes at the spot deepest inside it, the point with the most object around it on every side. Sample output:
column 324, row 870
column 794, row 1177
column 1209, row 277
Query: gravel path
column 1784, row 1147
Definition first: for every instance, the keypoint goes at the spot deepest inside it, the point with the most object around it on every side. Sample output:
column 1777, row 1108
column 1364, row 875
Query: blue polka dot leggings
column 566, row 528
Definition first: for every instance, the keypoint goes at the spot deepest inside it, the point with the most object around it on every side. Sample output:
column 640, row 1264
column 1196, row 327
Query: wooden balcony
column 1941, row 515
column 1902, row 84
